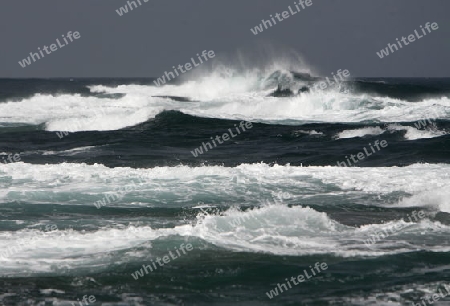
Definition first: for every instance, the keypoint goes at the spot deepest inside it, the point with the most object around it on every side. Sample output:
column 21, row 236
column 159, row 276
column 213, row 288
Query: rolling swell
column 169, row 138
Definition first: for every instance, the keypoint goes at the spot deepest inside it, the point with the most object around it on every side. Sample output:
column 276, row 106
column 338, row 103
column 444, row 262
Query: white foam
column 75, row 113
column 360, row 132
column 311, row 133
column 422, row 185
column 70, row 152
column 433, row 198
column 44, row 252
column 165, row 184
column 273, row 229
column 396, row 294
column 249, row 101
column 268, row 228
column 218, row 95
column 413, row 133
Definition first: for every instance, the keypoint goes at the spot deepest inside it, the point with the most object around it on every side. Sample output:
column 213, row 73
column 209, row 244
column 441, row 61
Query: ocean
column 103, row 196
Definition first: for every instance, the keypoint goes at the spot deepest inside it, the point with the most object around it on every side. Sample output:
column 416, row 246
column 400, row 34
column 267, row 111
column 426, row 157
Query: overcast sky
column 329, row 35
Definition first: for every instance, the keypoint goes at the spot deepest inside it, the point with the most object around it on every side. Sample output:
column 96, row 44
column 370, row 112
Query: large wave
column 224, row 94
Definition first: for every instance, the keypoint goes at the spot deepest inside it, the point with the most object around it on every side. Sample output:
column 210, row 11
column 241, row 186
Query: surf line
column 206, row 55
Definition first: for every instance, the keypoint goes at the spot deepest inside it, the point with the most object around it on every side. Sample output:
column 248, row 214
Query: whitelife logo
column 225, row 137
column 394, row 229
column 411, row 38
column 285, row 15
column 205, row 54
column 53, row 47
column 86, row 301
column 319, row 267
column 361, row 155
column 166, row 259
column 11, row 159
column 322, row 85
column 124, row 9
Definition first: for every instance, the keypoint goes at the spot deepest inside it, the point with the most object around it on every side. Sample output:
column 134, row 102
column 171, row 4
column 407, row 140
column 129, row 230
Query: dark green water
column 81, row 212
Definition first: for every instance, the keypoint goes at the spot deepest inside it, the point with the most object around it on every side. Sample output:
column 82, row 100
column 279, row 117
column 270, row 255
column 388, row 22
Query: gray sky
column 329, row 35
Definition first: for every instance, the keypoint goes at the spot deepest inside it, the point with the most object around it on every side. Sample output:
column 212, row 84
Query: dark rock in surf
column 280, row 92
